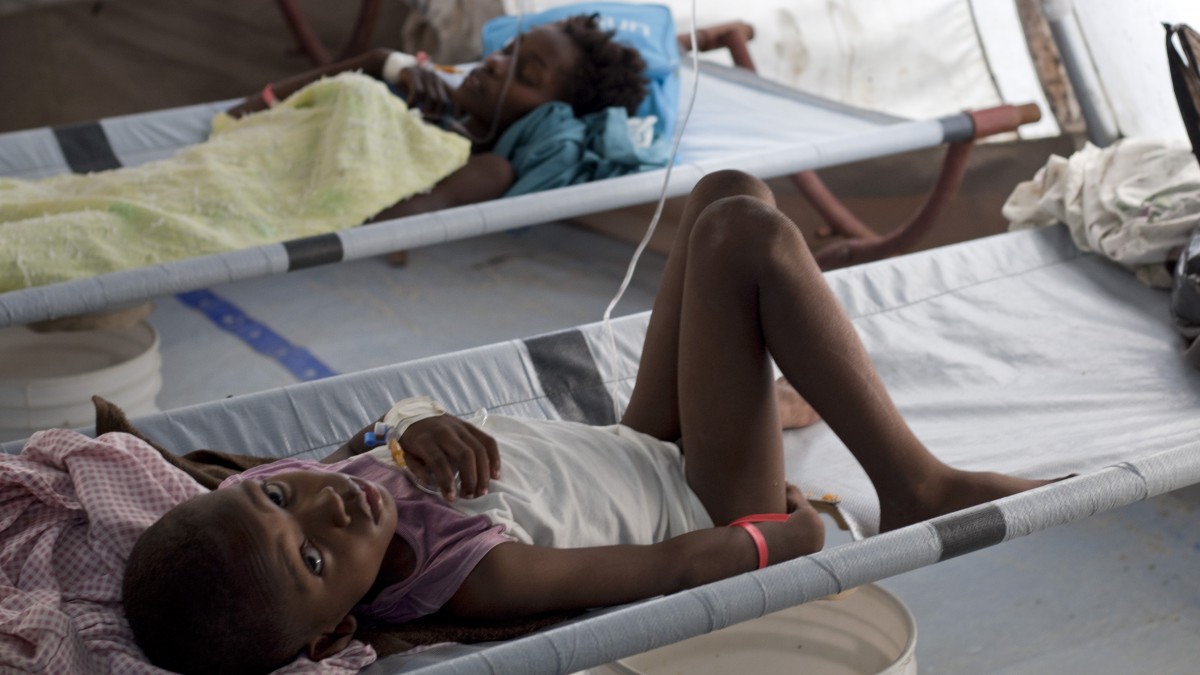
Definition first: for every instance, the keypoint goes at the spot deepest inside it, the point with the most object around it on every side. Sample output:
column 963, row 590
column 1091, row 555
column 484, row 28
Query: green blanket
column 332, row 155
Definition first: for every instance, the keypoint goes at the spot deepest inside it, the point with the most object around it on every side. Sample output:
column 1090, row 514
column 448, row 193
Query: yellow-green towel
column 332, row 155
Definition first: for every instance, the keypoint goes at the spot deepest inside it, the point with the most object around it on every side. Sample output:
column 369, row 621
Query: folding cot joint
column 862, row 243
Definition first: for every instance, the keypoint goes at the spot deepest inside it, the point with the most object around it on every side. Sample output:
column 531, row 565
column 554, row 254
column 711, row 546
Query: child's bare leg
column 654, row 405
column 750, row 284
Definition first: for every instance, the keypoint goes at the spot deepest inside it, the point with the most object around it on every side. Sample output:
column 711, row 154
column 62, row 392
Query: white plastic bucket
column 869, row 631
column 47, row 380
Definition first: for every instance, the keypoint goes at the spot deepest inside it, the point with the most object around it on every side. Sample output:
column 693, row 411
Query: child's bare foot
column 958, row 490
column 794, row 411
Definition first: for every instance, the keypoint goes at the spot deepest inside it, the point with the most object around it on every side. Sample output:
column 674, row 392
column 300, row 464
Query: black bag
column 1185, row 77
column 1185, row 297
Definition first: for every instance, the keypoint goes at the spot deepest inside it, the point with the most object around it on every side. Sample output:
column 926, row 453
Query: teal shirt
column 550, row 147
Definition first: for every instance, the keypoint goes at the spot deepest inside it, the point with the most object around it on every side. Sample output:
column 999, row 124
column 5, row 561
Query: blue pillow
column 648, row 28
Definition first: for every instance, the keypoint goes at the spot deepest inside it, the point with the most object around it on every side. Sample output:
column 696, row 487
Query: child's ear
column 328, row 644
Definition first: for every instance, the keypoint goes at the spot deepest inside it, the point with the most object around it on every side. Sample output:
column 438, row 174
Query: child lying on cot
column 338, row 152
column 572, row 61
column 290, row 557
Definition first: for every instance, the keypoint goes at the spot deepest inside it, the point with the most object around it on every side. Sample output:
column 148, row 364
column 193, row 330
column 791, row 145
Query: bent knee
column 730, row 182
column 743, row 225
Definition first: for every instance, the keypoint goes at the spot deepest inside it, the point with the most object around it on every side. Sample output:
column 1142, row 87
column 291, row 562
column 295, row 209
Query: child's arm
column 515, row 579
column 422, row 88
column 370, row 63
column 485, row 176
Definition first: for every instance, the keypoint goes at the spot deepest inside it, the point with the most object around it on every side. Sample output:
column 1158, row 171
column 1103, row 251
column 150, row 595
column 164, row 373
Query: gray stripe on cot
column 969, row 531
column 957, row 127
column 570, row 378
column 321, row 249
column 86, row 147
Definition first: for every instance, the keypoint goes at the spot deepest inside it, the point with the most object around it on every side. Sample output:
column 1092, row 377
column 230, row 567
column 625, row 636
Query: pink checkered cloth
column 71, row 508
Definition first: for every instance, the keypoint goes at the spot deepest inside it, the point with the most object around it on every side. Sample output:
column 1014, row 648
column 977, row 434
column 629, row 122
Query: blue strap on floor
column 229, row 317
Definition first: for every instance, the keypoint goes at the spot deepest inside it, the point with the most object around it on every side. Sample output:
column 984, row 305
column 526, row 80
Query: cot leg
column 311, row 44
column 862, row 243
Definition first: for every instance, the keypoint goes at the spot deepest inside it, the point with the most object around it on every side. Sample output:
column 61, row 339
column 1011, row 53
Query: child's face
column 321, row 536
column 545, row 64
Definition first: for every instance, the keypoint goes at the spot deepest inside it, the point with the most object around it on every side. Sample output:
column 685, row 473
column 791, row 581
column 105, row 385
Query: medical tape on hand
column 409, row 411
column 396, row 62
column 384, row 438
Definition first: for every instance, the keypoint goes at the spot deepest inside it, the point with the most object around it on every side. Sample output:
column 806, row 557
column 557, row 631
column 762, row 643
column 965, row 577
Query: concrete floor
column 365, row 314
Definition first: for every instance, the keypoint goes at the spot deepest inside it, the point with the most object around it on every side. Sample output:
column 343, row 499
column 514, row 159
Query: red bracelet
column 268, row 96
column 760, row 542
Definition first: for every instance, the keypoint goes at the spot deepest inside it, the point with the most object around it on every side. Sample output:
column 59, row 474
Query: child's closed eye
column 527, row 77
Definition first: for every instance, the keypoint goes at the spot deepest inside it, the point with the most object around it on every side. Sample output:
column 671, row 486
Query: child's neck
column 478, row 133
column 399, row 563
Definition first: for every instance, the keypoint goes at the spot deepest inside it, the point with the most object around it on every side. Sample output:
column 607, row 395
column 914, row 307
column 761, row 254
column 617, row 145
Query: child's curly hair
column 609, row 74
column 188, row 613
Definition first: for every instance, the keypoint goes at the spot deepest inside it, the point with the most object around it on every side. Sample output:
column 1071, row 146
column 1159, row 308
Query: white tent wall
column 918, row 58
column 912, row 58
column 1120, row 47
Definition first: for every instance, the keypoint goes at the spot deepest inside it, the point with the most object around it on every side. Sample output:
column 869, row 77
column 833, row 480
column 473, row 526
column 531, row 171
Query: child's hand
column 252, row 104
column 803, row 533
column 437, row 447
column 425, row 91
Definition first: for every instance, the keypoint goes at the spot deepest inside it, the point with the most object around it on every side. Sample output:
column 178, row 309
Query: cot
column 740, row 121
column 1015, row 352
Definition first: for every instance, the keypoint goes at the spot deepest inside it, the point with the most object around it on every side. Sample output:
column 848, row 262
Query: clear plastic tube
column 662, row 200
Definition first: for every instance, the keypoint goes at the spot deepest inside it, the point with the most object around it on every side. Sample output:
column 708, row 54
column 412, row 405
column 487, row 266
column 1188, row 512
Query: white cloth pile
column 1136, row 202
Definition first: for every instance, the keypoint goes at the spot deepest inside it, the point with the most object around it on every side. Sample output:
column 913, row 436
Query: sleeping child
column 512, row 517
column 339, row 151
column 563, row 80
